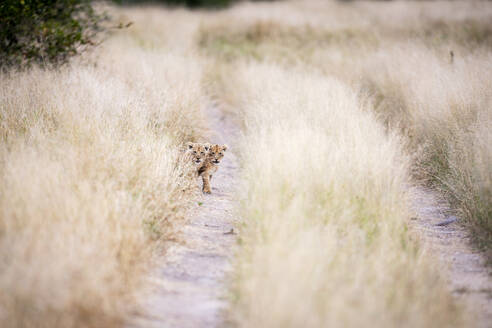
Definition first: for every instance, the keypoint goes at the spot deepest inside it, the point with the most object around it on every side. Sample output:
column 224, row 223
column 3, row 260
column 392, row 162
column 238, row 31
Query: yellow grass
column 425, row 67
column 445, row 110
column 91, row 180
column 325, row 242
column 343, row 105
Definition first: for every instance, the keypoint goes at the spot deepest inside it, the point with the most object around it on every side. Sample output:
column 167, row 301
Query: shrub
column 201, row 3
column 45, row 31
column 187, row 3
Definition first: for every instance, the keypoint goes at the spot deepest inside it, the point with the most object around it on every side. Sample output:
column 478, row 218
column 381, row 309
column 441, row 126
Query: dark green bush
column 201, row 3
column 212, row 4
column 187, row 3
column 45, row 31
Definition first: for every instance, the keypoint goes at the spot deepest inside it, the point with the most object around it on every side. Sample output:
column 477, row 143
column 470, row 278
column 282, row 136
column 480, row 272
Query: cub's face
column 197, row 151
column 216, row 153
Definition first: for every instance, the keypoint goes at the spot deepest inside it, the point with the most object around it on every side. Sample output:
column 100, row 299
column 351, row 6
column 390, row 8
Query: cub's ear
column 224, row 147
column 207, row 146
column 189, row 145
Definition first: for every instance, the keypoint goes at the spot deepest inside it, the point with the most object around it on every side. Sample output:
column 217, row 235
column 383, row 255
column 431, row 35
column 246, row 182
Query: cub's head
column 216, row 153
column 197, row 151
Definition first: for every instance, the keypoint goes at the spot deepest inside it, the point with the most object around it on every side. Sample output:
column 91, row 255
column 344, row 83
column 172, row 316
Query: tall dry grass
column 91, row 179
column 444, row 108
column 325, row 242
column 425, row 66
column 342, row 105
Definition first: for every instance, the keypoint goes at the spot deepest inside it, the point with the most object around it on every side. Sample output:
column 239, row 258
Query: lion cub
column 206, row 157
column 197, row 152
column 210, row 165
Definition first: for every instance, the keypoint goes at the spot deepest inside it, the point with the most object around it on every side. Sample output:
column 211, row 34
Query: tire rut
column 469, row 278
column 191, row 282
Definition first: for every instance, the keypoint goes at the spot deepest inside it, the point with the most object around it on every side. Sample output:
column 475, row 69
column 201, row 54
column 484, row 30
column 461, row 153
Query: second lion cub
column 210, row 165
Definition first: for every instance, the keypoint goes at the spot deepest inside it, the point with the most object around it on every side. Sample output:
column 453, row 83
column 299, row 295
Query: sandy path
column 191, row 281
column 470, row 280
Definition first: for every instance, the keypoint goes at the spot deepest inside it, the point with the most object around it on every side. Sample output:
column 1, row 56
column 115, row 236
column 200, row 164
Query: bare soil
column 469, row 278
column 191, row 279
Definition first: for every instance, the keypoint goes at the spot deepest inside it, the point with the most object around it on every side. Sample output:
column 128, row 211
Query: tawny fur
column 206, row 157
column 210, row 165
column 197, row 152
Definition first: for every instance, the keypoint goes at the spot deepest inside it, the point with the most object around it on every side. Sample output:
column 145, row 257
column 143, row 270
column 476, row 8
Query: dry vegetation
column 342, row 106
column 326, row 208
column 425, row 67
column 91, row 180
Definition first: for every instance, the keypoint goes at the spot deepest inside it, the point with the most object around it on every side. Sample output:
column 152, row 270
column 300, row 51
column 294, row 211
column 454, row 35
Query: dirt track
column 468, row 277
column 191, row 280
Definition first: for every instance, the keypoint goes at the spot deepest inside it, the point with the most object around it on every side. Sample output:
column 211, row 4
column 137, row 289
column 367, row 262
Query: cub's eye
column 221, row 154
column 202, row 153
column 212, row 153
column 194, row 152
